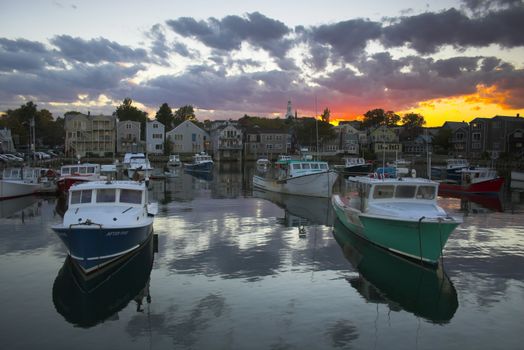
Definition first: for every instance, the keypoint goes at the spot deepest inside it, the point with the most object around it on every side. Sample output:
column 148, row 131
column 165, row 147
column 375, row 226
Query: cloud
column 228, row 33
column 97, row 50
column 24, row 55
column 427, row 32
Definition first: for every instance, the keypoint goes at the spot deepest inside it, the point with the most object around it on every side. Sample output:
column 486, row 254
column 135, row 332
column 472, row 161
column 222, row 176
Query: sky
column 447, row 60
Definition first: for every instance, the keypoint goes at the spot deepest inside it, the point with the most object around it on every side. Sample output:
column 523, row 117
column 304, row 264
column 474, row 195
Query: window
column 155, row 126
column 105, row 195
column 475, row 136
column 306, row 166
column 296, row 166
column 475, row 145
column 131, row 196
column 193, row 137
column 383, row 191
column 426, row 192
column 158, row 147
column 314, row 166
column 83, row 196
column 269, row 146
column 278, row 146
column 405, row 191
column 323, row 166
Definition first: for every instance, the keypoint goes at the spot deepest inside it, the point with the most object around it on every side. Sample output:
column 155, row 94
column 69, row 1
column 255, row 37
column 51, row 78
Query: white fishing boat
column 174, row 162
column 18, row 182
column 300, row 177
column 398, row 214
column 105, row 220
column 137, row 166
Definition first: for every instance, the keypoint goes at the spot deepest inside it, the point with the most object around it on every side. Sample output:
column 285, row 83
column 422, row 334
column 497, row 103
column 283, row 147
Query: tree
column 378, row 117
column 165, row 116
column 325, row 115
column 412, row 124
column 126, row 111
column 441, row 141
column 184, row 113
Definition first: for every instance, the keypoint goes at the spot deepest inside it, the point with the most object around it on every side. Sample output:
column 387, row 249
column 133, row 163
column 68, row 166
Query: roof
column 132, row 185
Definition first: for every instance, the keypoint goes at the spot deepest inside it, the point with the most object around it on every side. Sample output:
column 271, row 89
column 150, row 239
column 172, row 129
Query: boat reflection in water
column 300, row 210
column 86, row 300
column 391, row 279
column 477, row 203
column 20, row 206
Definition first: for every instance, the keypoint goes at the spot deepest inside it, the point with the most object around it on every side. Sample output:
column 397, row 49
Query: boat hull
column 492, row 186
column 363, row 169
column 421, row 240
column 93, row 247
column 314, row 185
column 202, row 167
column 14, row 188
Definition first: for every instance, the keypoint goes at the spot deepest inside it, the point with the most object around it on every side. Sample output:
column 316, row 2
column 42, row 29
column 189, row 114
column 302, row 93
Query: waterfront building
column 88, row 134
column 155, row 135
column 270, row 143
column 128, row 137
column 348, row 137
column 226, row 139
column 6, row 141
column 188, row 138
column 385, row 140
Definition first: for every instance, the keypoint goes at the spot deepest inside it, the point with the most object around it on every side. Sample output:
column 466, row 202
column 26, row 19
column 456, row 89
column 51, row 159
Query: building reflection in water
column 386, row 278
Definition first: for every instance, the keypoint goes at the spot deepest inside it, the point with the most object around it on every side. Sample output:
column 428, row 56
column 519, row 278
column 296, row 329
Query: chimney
column 518, row 115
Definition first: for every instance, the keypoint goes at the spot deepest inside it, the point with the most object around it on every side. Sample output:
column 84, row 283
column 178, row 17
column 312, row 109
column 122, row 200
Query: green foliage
column 126, row 111
column 412, row 124
column 441, row 141
column 378, row 117
column 263, row 123
column 306, row 131
column 325, row 115
column 165, row 116
column 184, row 113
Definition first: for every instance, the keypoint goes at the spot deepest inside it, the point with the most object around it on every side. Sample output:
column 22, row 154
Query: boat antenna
column 316, row 126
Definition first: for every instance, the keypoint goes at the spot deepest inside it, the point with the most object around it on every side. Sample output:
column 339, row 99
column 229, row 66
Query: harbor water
column 230, row 267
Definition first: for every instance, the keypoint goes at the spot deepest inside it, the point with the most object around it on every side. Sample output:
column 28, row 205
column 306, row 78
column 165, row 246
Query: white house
column 155, row 136
column 188, row 138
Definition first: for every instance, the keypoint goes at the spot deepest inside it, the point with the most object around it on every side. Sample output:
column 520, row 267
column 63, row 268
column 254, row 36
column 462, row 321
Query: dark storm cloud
column 347, row 39
column 229, row 33
column 481, row 6
column 25, row 55
column 65, row 85
column 427, row 32
column 159, row 47
column 97, row 50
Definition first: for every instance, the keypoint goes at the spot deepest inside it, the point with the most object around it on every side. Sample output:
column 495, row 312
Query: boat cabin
column 365, row 190
column 202, row 158
column 80, row 169
column 295, row 168
column 352, row 161
column 476, row 175
column 456, row 163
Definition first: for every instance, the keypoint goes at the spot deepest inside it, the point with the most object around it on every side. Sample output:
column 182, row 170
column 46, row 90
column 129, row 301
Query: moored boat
column 355, row 166
column 451, row 171
column 19, row 182
column 300, row 177
column 475, row 180
column 202, row 162
column 76, row 173
column 174, row 162
column 400, row 215
column 105, row 221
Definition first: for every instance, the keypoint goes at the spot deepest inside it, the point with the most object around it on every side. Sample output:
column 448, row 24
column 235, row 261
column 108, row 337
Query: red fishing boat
column 474, row 180
column 71, row 174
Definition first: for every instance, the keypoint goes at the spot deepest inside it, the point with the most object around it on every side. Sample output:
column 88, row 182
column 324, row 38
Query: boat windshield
column 81, row 196
column 426, row 192
column 405, row 191
column 106, row 195
column 130, row 196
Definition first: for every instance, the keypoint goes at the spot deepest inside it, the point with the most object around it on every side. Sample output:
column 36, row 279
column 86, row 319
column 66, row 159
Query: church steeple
column 289, row 112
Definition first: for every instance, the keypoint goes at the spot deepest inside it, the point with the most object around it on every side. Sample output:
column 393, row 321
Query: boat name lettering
column 117, row 233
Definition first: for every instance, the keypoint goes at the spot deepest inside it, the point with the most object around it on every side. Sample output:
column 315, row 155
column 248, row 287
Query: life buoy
column 50, row 173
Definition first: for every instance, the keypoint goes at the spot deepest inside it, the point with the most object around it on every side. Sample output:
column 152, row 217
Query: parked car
column 13, row 158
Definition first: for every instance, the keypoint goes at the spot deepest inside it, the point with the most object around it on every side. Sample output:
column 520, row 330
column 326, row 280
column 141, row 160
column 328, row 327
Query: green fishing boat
column 400, row 215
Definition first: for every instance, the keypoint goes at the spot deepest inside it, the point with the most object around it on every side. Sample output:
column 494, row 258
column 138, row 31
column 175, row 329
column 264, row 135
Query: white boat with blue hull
column 202, row 162
column 105, row 221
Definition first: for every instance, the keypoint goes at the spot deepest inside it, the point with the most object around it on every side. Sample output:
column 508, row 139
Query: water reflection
column 300, row 210
column 389, row 279
column 88, row 300
column 19, row 207
column 476, row 204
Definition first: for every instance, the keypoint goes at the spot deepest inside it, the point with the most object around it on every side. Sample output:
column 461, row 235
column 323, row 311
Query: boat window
column 383, row 191
column 82, row 170
column 131, row 196
column 296, row 166
column 91, row 170
column 426, row 192
column 82, row 196
column 105, row 195
column 74, row 170
column 323, row 166
column 306, row 166
column 405, row 191
column 65, row 171
column 314, row 166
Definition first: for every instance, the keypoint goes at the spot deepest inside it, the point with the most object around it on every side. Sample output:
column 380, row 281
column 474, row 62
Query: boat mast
column 316, row 126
